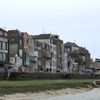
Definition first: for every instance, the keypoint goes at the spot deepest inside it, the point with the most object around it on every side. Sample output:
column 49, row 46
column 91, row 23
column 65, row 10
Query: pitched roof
column 2, row 30
column 83, row 50
column 14, row 33
column 70, row 44
column 41, row 36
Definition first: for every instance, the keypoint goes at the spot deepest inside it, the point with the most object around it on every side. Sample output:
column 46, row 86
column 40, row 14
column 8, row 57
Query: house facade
column 49, row 39
column 26, row 62
column 65, row 60
column 42, row 56
column 4, row 44
column 59, row 51
column 78, row 58
column 15, row 47
column 32, row 65
column 42, row 53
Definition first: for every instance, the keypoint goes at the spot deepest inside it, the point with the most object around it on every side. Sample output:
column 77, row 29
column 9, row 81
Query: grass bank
column 9, row 87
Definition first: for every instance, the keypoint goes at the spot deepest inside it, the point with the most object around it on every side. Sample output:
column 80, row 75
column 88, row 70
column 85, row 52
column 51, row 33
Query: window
column 47, row 47
column 0, row 56
column 43, row 45
column 54, row 48
column 20, row 42
column 0, row 45
column 37, row 45
column 31, row 41
column 27, row 41
column 4, row 45
column 0, row 33
column 20, row 52
column 4, row 56
column 5, row 34
column 40, row 62
column 30, row 49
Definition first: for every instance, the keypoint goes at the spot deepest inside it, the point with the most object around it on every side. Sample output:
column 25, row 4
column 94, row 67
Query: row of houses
column 41, row 53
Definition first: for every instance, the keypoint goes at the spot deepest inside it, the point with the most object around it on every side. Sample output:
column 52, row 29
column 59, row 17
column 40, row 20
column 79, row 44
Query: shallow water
column 90, row 95
column 93, row 94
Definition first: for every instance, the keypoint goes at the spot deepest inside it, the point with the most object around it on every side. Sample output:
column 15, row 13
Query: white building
column 3, row 45
column 49, row 39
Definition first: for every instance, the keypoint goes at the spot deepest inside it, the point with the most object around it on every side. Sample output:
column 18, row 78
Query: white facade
column 53, row 57
column 3, row 45
column 65, row 61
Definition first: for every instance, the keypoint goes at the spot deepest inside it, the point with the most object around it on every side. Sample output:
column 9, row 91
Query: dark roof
column 41, row 36
column 2, row 30
column 46, row 36
column 61, row 41
column 70, row 44
column 14, row 33
column 83, row 50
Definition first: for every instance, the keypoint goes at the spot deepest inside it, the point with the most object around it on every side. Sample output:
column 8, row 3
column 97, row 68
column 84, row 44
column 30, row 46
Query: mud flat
column 47, row 95
column 88, row 95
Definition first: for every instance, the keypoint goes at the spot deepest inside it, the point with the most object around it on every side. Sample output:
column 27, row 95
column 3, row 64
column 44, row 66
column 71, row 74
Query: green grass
column 9, row 87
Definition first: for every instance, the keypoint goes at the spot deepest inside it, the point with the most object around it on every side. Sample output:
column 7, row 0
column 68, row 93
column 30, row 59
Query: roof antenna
column 4, row 27
column 50, row 32
column 74, row 41
column 43, row 30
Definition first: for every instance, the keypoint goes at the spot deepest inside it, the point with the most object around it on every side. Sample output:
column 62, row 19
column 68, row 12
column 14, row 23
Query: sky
column 73, row 20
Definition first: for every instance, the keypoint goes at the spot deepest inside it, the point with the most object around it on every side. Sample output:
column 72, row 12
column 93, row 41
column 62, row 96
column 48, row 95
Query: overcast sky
column 74, row 20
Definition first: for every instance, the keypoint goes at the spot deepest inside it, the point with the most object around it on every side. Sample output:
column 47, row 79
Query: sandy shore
column 41, row 95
